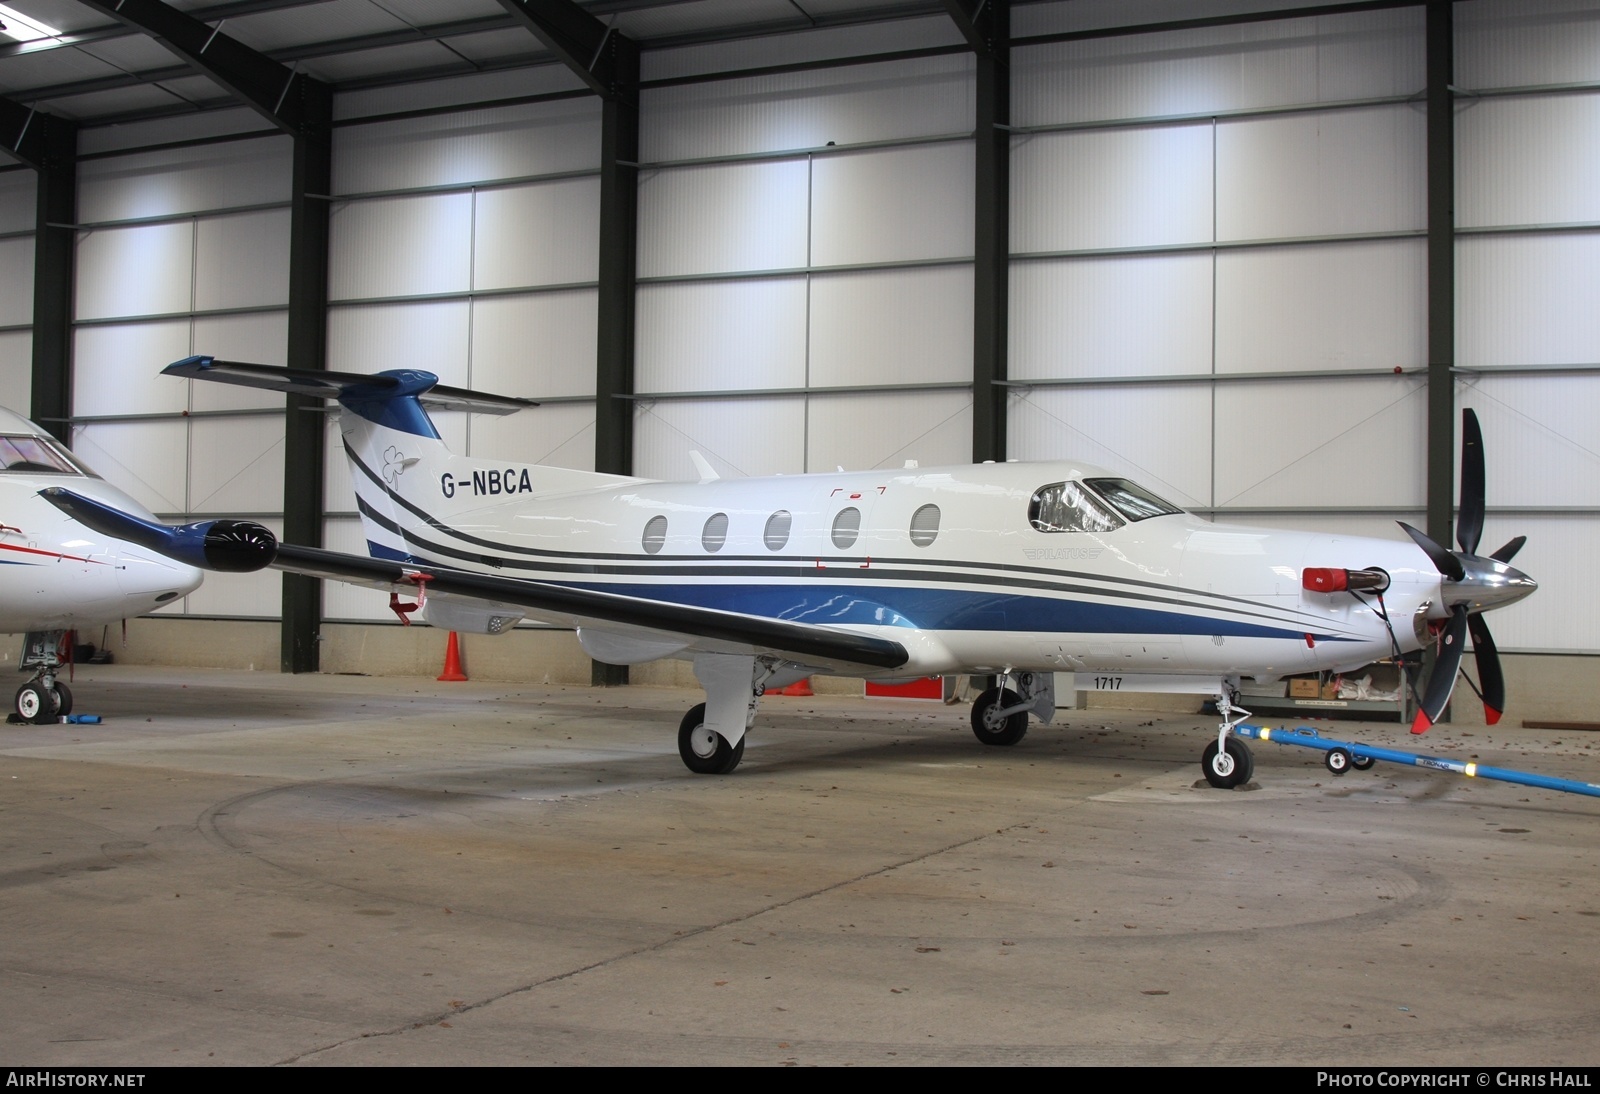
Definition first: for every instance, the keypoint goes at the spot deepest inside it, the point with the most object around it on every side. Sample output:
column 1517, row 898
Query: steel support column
column 988, row 29
column 1441, row 274
column 304, row 424
column 54, row 245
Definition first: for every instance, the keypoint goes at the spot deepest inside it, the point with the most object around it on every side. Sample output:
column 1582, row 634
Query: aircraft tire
column 1240, row 764
column 700, row 753
column 1337, row 760
column 35, row 704
column 63, row 699
column 989, row 727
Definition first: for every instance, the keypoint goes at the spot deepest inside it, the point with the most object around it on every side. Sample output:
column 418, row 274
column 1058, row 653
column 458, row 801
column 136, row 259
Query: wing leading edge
column 206, row 543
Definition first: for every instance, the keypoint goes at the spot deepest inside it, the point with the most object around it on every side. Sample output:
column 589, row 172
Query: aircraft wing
column 242, row 546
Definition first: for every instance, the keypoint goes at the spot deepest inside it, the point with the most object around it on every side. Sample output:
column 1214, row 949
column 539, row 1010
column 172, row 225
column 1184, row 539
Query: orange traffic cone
column 452, row 660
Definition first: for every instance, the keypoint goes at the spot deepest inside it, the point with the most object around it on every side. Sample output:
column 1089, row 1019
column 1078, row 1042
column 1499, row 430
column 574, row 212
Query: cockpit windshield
column 1130, row 499
column 1068, row 507
column 32, row 455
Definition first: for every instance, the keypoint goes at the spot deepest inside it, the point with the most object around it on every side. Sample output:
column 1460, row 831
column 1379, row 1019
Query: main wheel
column 63, row 699
column 36, row 704
column 993, row 728
column 1229, row 767
column 705, row 751
column 1337, row 760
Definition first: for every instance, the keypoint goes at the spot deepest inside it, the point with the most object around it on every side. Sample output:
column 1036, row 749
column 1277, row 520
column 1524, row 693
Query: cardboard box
column 1303, row 689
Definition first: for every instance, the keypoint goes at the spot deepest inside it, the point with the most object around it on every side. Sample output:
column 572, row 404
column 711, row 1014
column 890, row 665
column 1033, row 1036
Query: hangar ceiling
column 95, row 70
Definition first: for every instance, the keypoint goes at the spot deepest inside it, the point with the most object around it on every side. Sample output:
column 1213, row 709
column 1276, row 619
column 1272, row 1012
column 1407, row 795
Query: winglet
column 703, row 466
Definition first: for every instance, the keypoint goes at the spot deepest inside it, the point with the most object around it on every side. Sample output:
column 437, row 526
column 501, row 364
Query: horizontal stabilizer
column 321, row 384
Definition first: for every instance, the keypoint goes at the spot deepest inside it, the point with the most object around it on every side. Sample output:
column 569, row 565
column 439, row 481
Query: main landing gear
column 44, row 698
column 711, row 735
column 1227, row 761
column 1000, row 715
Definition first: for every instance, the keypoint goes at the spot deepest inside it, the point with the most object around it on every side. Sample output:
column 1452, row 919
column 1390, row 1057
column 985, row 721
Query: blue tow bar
column 1343, row 755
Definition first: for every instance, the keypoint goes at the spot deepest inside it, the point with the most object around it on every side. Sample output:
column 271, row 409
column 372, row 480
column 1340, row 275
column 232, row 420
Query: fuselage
column 56, row 574
column 956, row 563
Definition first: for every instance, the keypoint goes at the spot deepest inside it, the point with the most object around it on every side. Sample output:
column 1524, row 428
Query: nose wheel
column 1228, row 766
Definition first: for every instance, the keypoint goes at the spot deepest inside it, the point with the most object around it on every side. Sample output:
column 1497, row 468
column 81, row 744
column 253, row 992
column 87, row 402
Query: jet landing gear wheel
column 1229, row 767
column 705, row 751
column 36, row 703
column 993, row 728
column 63, row 699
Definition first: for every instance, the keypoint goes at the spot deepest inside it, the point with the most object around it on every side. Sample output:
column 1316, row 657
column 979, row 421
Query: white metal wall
column 466, row 243
column 805, row 265
column 1216, row 235
column 1527, row 278
column 16, row 289
column 184, row 251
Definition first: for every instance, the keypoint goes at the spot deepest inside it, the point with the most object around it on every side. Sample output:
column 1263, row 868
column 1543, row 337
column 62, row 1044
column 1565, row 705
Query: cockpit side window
column 1130, row 499
column 1068, row 507
column 34, row 455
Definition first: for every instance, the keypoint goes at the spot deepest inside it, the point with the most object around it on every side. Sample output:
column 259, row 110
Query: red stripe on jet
column 48, row 554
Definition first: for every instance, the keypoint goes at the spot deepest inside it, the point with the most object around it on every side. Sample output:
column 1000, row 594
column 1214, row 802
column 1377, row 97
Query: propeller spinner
column 1471, row 584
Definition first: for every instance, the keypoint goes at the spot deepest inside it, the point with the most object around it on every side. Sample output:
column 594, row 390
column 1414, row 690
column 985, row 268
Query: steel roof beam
column 603, row 58
column 292, row 101
column 979, row 24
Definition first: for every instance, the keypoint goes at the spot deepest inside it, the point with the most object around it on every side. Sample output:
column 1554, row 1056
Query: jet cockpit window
column 32, row 455
column 1130, row 499
column 1068, row 507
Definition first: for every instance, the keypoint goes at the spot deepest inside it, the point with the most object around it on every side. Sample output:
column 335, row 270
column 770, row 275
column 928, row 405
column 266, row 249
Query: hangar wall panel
column 892, row 204
column 884, row 430
column 788, row 111
column 1342, row 442
column 720, row 218
column 540, row 233
column 559, row 434
column 1330, row 172
column 16, row 370
column 17, row 200
column 16, row 281
column 148, row 460
column 400, row 246
column 116, row 366
column 789, row 47
column 144, row 269
column 431, row 335
column 229, row 175
column 1158, row 435
column 1528, row 160
column 261, row 337
column 236, row 465
column 1111, row 188
column 470, row 146
column 1111, row 315
column 895, row 326
column 1523, row 43
column 541, row 345
column 1528, row 299
column 721, row 335
column 1322, row 308
column 1321, row 59
column 230, row 254
column 740, row 437
column 1539, row 437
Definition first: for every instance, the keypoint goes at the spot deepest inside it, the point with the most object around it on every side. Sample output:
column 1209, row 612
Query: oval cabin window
column 655, row 535
column 777, row 533
column 715, row 533
column 925, row 526
column 846, row 527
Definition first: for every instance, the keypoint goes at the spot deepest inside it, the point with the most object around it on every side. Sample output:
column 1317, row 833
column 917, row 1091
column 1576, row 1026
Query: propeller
column 1472, row 584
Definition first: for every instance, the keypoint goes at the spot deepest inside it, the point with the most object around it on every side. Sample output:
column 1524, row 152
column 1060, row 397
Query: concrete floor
column 250, row 869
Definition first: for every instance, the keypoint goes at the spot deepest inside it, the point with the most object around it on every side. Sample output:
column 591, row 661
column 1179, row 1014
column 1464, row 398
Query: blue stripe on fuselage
column 944, row 610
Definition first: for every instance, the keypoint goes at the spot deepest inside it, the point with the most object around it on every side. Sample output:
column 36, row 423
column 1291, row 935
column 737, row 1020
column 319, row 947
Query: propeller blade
column 1445, row 667
column 1509, row 551
column 1490, row 678
column 1469, row 524
column 1443, row 561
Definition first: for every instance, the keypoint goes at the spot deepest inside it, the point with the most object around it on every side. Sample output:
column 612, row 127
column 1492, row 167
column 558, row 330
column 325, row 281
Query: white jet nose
column 149, row 581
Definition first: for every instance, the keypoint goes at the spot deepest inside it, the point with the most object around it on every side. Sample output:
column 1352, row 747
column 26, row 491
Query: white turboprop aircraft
column 1014, row 570
column 57, row 575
